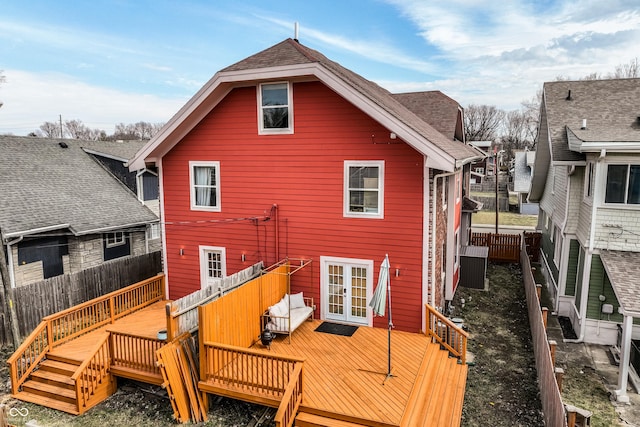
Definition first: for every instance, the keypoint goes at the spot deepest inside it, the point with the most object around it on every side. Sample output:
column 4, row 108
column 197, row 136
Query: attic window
column 275, row 113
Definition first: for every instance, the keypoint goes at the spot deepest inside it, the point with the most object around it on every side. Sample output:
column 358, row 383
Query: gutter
column 21, row 234
column 12, row 274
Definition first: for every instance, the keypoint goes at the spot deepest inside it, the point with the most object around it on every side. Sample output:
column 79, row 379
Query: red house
column 287, row 154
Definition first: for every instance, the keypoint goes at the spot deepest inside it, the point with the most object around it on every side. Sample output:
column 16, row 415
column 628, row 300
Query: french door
column 346, row 289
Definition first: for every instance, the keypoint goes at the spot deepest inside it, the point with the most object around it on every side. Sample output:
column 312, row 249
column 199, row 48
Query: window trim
column 153, row 231
column 346, row 199
column 202, row 250
column 275, row 131
column 111, row 240
column 192, row 188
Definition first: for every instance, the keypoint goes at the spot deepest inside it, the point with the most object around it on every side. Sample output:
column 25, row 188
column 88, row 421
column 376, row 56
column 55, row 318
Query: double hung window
column 275, row 112
column 364, row 189
column 205, row 185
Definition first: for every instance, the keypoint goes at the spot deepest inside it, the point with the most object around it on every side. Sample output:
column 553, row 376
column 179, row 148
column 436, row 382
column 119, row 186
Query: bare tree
column 628, row 70
column 482, row 122
column 50, row 130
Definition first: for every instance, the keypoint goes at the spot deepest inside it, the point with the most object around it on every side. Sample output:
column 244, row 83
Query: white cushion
column 296, row 301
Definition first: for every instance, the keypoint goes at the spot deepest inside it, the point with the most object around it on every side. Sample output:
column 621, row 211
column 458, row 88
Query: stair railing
column 93, row 372
column 447, row 334
column 75, row 321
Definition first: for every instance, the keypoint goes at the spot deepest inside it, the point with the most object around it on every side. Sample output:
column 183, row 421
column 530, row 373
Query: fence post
column 559, row 374
column 112, row 310
column 545, row 312
column 552, row 350
column 538, row 290
column 170, row 323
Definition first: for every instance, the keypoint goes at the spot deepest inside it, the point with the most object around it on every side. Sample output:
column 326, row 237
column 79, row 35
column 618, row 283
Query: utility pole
column 495, row 169
column 8, row 296
column 61, row 133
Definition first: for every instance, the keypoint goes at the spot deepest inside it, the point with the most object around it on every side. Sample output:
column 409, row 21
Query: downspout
column 434, row 201
column 586, row 270
column 12, row 277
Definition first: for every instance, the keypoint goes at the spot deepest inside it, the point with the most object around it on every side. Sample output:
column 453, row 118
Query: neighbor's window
column 364, row 189
column 205, row 185
column 275, row 114
column 623, row 184
column 115, row 239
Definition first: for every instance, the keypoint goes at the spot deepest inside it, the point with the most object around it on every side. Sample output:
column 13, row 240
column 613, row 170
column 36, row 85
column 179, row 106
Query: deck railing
column 73, row 322
column 91, row 374
column 27, row 357
column 291, row 399
column 447, row 334
column 249, row 370
column 134, row 352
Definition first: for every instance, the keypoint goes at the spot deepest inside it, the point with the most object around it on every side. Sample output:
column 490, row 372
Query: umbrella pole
column 389, row 375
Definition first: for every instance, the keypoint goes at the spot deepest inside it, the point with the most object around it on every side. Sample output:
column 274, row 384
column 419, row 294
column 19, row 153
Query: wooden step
column 63, row 359
column 69, row 408
column 305, row 419
column 53, row 378
column 58, row 367
column 50, row 391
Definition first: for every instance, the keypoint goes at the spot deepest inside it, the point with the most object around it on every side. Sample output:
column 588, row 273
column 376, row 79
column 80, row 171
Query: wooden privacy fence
column 37, row 300
column 73, row 322
column 182, row 314
column 447, row 334
column 552, row 406
column 502, row 247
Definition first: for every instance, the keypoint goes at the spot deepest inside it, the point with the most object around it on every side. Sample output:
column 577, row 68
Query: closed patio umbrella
column 381, row 295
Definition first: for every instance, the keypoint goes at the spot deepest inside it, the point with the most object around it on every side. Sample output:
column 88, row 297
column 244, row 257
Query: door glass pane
column 214, row 265
column 358, row 291
column 336, row 289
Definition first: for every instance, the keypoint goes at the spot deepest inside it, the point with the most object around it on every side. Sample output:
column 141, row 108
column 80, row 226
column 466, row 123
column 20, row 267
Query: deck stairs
column 52, row 385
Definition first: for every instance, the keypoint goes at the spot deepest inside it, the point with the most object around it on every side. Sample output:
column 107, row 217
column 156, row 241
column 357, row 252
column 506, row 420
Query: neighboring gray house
column 587, row 181
column 65, row 206
column 522, row 172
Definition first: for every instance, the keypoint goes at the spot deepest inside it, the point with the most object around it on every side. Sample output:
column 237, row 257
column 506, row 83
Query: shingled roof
column 610, row 107
column 435, row 108
column 47, row 185
column 302, row 62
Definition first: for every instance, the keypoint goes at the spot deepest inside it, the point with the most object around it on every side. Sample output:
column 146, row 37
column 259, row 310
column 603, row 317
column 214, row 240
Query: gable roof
column 437, row 109
column 610, row 107
column 48, row 187
column 290, row 59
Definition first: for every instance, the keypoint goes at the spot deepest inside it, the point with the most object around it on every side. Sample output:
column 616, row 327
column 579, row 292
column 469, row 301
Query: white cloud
column 31, row 99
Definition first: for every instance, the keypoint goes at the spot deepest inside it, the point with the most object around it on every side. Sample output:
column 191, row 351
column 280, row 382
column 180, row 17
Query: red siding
column 303, row 175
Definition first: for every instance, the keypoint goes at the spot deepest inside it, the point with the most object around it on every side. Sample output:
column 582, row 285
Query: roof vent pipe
column 584, row 124
column 296, row 29
column 568, row 98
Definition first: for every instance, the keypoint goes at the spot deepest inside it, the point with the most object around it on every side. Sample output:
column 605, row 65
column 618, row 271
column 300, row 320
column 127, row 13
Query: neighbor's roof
column 435, row 108
column 290, row 59
column 623, row 269
column 522, row 171
column 121, row 150
column 610, row 107
column 46, row 186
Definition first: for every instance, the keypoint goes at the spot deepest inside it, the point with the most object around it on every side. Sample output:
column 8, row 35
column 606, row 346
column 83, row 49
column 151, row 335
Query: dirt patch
column 502, row 387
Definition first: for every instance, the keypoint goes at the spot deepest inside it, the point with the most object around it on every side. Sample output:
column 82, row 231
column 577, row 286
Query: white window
column 480, row 171
column 445, row 192
column 623, row 184
column 115, row 239
column 275, row 112
column 364, row 189
column 456, row 250
column 589, row 180
column 213, row 265
column 153, row 232
column 205, row 186
column 557, row 252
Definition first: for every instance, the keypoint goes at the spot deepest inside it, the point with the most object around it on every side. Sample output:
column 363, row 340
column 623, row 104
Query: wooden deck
column 344, row 378
column 145, row 323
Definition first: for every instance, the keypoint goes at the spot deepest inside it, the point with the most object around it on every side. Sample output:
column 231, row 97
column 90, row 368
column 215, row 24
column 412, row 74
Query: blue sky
column 107, row 62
